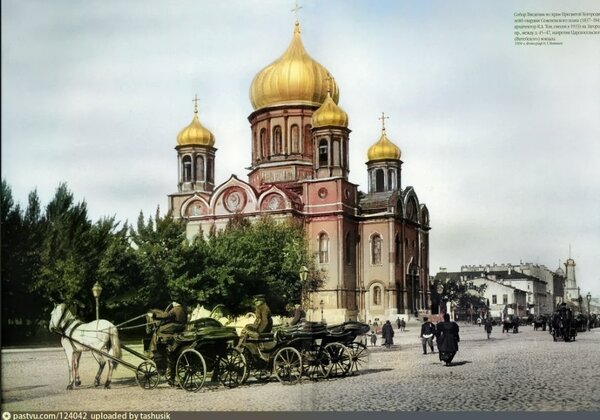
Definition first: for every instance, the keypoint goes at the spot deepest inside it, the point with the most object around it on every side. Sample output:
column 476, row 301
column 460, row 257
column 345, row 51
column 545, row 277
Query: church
column 373, row 247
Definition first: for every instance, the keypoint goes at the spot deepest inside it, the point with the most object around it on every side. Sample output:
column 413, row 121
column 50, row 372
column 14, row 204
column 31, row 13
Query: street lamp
column 321, row 305
column 588, row 297
column 303, row 278
column 96, row 291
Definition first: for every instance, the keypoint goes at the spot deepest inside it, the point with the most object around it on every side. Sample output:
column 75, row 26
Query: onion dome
column 329, row 114
column 195, row 134
column 560, row 271
column 384, row 149
column 294, row 78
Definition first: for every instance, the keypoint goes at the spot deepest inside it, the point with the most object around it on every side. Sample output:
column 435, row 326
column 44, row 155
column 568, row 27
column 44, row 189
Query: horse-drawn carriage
column 206, row 347
column 563, row 326
column 511, row 324
column 308, row 349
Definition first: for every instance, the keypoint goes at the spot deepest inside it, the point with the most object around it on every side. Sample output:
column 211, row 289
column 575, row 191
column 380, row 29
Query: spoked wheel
column 191, row 370
column 232, row 368
column 146, row 375
column 256, row 368
column 359, row 356
column 316, row 362
column 341, row 361
column 288, row 365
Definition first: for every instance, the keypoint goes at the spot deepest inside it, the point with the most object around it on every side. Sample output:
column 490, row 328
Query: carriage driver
column 172, row 321
column 263, row 323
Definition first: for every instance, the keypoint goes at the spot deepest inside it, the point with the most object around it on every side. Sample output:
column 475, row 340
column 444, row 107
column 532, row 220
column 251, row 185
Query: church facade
column 373, row 247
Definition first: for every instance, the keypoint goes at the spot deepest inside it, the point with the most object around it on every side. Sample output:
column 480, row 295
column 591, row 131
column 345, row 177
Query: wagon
column 204, row 348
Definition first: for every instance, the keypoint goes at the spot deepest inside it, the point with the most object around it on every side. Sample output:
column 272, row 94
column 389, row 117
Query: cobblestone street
column 512, row 372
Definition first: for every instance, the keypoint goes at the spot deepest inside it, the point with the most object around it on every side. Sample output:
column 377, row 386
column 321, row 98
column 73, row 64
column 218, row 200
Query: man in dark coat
column 263, row 322
column 427, row 333
column 387, row 332
column 299, row 314
column 447, row 339
column 488, row 326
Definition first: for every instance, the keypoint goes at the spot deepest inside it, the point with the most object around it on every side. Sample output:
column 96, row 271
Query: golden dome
column 195, row 134
column 384, row 149
column 294, row 78
column 329, row 114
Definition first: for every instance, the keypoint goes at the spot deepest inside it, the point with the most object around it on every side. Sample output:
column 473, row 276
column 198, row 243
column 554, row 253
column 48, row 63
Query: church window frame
column 210, row 170
column 323, row 152
column 295, row 138
column 323, row 244
column 379, row 180
column 186, row 168
column 277, row 140
column 200, row 168
column 376, row 249
column 377, row 295
column 263, row 143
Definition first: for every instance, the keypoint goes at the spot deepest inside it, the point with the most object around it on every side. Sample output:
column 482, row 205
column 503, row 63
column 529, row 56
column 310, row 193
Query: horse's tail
column 115, row 345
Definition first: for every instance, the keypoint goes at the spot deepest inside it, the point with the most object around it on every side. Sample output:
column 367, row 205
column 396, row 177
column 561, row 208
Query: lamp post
column 588, row 297
column 96, row 291
column 303, row 278
column 321, row 305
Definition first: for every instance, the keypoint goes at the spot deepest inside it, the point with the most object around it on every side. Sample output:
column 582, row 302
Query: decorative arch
column 424, row 215
column 277, row 140
column 195, row 206
column 323, row 153
column 379, row 180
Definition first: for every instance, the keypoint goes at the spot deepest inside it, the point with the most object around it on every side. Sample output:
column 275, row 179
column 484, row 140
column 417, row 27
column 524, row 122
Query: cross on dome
column 195, row 101
column 295, row 10
column 383, row 118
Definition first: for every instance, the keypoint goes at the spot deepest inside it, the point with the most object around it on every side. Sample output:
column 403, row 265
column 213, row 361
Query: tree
column 458, row 290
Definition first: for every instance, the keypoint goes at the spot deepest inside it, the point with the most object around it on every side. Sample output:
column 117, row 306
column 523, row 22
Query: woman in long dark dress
column 447, row 339
column 387, row 332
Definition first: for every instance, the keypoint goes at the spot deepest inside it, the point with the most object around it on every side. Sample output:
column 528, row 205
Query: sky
column 501, row 142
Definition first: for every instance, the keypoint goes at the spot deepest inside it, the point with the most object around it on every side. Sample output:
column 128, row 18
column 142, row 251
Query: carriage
column 308, row 349
column 205, row 348
column 563, row 326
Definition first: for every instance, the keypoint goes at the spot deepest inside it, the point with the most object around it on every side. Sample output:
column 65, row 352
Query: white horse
column 99, row 335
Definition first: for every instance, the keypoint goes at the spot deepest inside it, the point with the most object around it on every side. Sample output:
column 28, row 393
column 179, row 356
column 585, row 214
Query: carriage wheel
column 191, row 370
column 146, row 375
column 316, row 362
column 261, row 373
column 288, row 365
column 341, row 361
column 232, row 368
column 359, row 355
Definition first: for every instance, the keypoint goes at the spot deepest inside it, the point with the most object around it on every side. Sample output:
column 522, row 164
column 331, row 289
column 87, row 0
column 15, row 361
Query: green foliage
column 458, row 290
column 57, row 254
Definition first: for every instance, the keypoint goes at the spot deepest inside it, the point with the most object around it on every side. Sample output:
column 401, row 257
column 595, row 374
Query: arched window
column 308, row 147
column 264, row 144
column 323, row 153
column 376, row 243
column 199, row 168
column 186, row 163
column 336, row 153
column 349, row 249
column 376, row 295
column 398, row 249
column 379, row 180
column 277, row 142
column 391, row 180
column 210, row 172
column 295, row 131
column 323, row 248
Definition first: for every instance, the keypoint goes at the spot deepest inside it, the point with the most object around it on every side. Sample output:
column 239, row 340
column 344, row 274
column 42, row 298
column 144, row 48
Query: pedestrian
column 373, row 338
column 427, row 332
column 387, row 333
column 488, row 327
column 376, row 327
column 447, row 339
column 299, row 314
column 479, row 321
column 398, row 322
column 402, row 324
